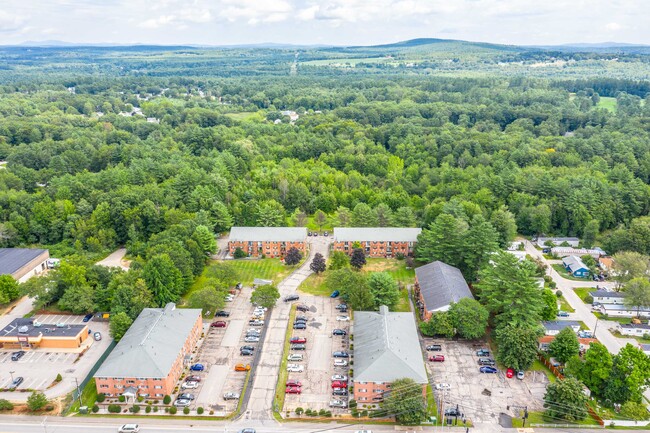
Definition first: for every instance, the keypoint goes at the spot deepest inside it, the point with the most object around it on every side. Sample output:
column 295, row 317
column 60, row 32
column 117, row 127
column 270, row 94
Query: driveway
column 116, row 260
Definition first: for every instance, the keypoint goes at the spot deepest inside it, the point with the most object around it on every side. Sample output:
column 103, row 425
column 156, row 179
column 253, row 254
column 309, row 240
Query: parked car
column 252, row 335
column 128, row 428
column 302, row 308
column 326, row 234
column 247, row 430
column 189, row 385
column 186, row 396
column 363, row 431
column 335, row 294
column 300, row 321
column 295, row 368
column 292, row 390
column 301, row 340
column 231, row 396
column 310, row 234
column 510, row 373
column 222, row 313
column 339, row 332
column 340, row 392
column 251, row 348
column 488, row 369
column 338, row 403
column 242, row 367
column 246, row 353
column 434, row 347
column 300, row 317
column 253, row 331
column 251, row 339
column 97, row 336
column 340, row 377
column 87, row 317
column 343, row 318
column 299, row 325
column 17, row 355
column 443, row 386
column 339, row 384
column 291, row 298
column 181, row 402
column 293, row 382
column 521, row 375
column 218, row 324
column 295, row 357
column 340, row 363
column 197, row 367
column 17, row 381
column 437, row 358
column 486, row 361
column 342, row 307
column 341, row 354
column 453, row 412
column 297, row 347
column 482, row 352
column 192, row 378
column 256, row 322
column 562, row 314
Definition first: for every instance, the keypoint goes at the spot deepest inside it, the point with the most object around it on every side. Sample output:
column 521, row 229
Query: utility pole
column 595, row 327
column 78, row 391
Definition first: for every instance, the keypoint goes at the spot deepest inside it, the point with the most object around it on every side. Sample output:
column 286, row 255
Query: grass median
column 278, row 399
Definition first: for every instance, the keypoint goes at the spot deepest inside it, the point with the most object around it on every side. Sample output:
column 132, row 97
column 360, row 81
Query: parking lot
column 219, row 353
column 318, row 363
column 39, row 367
column 481, row 396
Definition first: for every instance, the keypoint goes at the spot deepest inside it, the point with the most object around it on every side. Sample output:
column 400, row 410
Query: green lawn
column 564, row 274
column 538, row 418
column 622, row 320
column 403, row 305
column 583, row 292
column 538, row 366
column 641, row 340
column 246, row 115
column 564, row 305
column 432, row 408
column 607, row 103
column 88, row 397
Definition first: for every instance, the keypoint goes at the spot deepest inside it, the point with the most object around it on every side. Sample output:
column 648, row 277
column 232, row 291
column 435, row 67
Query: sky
column 328, row 22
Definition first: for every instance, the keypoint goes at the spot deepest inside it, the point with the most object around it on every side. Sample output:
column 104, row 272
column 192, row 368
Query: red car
column 293, row 382
column 510, row 373
column 292, row 390
column 298, row 340
column 218, row 324
column 339, row 384
column 193, row 379
column 437, row 358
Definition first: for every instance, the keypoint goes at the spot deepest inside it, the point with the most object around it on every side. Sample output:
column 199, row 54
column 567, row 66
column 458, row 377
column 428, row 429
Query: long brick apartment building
column 150, row 357
column 268, row 241
column 377, row 241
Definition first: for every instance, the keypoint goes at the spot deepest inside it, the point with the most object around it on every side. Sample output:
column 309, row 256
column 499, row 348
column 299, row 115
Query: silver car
column 231, row 396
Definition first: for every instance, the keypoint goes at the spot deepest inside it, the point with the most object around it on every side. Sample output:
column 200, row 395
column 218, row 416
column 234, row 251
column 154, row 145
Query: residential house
column 620, row 310
column 606, row 264
column 575, row 266
column 267, row 241
column 543, row 241
column 554, row 327
column 545, row 341
column 26, row 334
column 386, row 348
column 570, row 251
column 376, row 241
column 151, row 356
column 437, row 286
column 645, row 348
column 23, row 263
column 634, row 329
column 607, row 297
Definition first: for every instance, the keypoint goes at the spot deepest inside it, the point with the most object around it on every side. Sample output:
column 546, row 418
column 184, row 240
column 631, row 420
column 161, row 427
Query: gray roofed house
column 645, row 348
column 386, row 347
column 573, row 242
column 153, row 344
column 634, row 329
column 437, row 285
column 376, row 234
column 554, row 327
column 576, row 266
column 23, row 263
column 607, row 296
column 268, row 234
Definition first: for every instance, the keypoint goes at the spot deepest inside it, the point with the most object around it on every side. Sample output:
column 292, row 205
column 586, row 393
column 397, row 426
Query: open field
column 608, row 103
column 246, row 115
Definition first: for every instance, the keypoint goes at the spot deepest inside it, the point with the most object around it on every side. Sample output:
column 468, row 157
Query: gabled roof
column 606, row 294
column 376, row 234
column 560, row 324
column 574, row 263
column 268, row 234
column 152, row 344
column 634, row 326
column 441, row 284
column 13, row 259
column 621, row 307
column 386, row 347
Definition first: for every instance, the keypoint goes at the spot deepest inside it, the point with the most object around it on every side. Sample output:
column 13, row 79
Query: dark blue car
column 197, row 367
column 335, row 294
column 87, row 317
column 488, row 369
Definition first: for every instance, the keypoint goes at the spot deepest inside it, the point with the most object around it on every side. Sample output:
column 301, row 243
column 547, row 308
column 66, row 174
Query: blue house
column 575, row 266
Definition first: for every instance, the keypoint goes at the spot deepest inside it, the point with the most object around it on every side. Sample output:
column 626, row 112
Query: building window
column 363, row 398
column 378, row 391
column 119, row 386
column 130, row 381
column 103, row 386
column 362, row 390
column 159, row 395
column 158, row 387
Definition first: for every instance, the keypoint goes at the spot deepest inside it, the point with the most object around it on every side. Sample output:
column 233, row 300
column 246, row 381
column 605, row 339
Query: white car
column 343, row 318
column 341, row 377
column 128, row 428
column 256, row 323
column 190, row 385
column 443, row 386
column 295, row 368
column 295, row 357
column 363, row 431
column 338, row 403
column 231, row 396
column 182, row 402
column 340, row 363
column 252, row 339
column 253, row 331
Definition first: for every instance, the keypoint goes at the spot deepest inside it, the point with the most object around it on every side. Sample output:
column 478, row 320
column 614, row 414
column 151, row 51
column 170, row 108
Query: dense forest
column 99, row 154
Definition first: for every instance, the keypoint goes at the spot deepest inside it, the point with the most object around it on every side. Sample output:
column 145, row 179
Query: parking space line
column 25, row 359
column 28, row 383
column 42, row 384
column 40, row 355
column 5, row 357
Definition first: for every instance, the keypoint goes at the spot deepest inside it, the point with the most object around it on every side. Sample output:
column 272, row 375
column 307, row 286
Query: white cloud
column 10, row 22
column 155, row 23
column 613, row 27
column 254, row 11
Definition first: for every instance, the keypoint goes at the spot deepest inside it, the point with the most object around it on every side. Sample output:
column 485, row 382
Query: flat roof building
column 23, row 263
column 377, row 241
column 26, row 334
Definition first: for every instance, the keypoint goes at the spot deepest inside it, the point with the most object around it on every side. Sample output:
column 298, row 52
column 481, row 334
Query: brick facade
column 385, row 249
column 372, row 393
column 275, row 249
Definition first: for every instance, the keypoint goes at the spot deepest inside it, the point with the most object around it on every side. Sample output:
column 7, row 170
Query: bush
column 308, row 412
column 328, row 413
column 121, row 399
column 101, row 398
column 173, row 410
column 299, row 411
column 36, row 401
column 314, row 413
column 558, row 293
column 155, row 409
column 186, row 410
column 239, row 253
column 352, row 404
column 199, row 410
column 166, row 410
column 354, row 413
column 114, row 408
column 6, row 405
column 589, row 299
column 322, row 412
column 364, row 413
column 49, row 408
column 167, row 399
column 134, row 409
column 147, row 409
column 95, row 408
column 59, row 378
column 140, row 399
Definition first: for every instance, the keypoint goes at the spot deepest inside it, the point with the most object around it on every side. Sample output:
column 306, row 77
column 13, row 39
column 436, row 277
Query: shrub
column 135, row 408
column 354, row 413
column 399, row 256
column 322, row 412
column 352, row 404
column 308, row 412
column 166, row 410
column 328, row 413
column 49, row 408
column 147, row 409
column 59, row 378
column 299, row 411
column 239, row 253
column 199, row 410
column 186, row 410
column 155, row 409
column 95, row 408
column 211, row 412
column 114, row 408
column 36, row 401
column 140, row 399
column 173, row 410
column 558, row 293
column 121, row 399
column 101, row 398
column 364, row 413
column 167, row 399
column 314, row 413
column 6, row 404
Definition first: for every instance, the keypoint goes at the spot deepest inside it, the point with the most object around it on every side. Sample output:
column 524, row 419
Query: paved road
column 260, row 403
column 24, row 306
column 116, row 260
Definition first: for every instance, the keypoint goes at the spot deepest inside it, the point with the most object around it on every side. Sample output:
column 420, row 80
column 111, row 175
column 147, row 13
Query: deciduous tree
column 293, row 257
column 550, row 310
column 266, row 296
column 338, row 260
column 358, row 258
column 119, row 324
column 564, row 399
column 517, row 345
column 163, row 279
column 405, row 402
column 469, row 318
column 384, row 289
column 565, row 345
column 318, row 264
column 36, row 401
column 208, row 299
column 637, row 294
column 439, row 324
column 9, row 289
column 629, row 265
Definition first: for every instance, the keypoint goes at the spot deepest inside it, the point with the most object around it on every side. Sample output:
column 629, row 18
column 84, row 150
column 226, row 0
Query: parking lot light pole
column 12, row 375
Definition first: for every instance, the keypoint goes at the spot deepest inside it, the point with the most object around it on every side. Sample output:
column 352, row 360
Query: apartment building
column 437, row 286
column 268, row 241
column 376, row 241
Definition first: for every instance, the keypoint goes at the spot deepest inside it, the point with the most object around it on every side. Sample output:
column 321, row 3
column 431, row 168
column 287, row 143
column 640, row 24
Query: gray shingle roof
column 574, row 263
column 268, row 234
column 386, row 347
column 376, row 234
column 152, row 344
column 559, row 324
column 634, row 326
column 441, row 284
column 621, row 307
column 606, row 294
column 12, row 259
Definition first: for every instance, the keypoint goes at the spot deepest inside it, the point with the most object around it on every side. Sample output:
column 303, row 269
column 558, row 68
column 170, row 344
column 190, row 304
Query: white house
column 620, row 310
column 573, row 242
column 607, row 297
column 633, row 329
column 570, row 251
column 645, row 348
column 521, row 255
column 554, row 327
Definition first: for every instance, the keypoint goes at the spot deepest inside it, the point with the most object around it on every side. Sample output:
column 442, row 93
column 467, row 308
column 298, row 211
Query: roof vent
column 23, row 329
column 169, row 308
column 383, row 310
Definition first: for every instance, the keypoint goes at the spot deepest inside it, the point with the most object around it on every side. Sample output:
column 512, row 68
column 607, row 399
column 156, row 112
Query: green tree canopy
column 119, row 324
column 517, row 345
column 405, row 402
column 565, row 399
column 384, row 289
column 266, row 296
column 565, row 345
column 469, row 318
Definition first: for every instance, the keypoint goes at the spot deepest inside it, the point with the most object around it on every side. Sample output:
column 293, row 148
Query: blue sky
column 340, row 22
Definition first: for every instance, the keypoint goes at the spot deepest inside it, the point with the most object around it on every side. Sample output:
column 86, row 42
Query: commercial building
column 437, row 286
column 267, row 241
column 26, row 334
column 386, row 348
column 150, row 357
column 23, row 263
column 376, row 241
